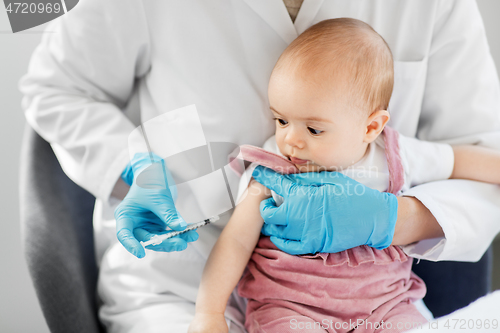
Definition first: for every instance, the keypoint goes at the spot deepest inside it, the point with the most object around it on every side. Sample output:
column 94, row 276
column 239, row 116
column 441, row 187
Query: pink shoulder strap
column 282, row 165
column 394, row 163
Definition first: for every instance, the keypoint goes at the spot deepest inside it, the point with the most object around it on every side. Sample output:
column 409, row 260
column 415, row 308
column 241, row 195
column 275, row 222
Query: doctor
column 218, row 55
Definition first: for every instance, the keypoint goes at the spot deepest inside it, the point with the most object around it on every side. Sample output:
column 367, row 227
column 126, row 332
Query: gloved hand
column 325, row 212
column 148, row 208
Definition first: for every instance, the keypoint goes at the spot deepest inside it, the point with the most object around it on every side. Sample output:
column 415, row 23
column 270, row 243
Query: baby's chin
column 314, row 168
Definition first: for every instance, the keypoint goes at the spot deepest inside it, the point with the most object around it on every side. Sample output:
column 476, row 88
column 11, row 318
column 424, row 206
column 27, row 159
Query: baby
column 329, row 93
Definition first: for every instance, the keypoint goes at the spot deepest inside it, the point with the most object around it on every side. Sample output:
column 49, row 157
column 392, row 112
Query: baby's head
column 329, row 93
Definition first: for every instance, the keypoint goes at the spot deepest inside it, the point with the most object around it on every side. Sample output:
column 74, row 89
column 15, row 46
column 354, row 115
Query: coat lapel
column 307, row 13
column 274, row 13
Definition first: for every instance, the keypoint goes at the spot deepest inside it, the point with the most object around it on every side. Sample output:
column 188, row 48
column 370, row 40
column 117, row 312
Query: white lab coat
column 219, row 56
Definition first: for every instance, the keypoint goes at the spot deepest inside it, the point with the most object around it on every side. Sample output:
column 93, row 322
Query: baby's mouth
column 298, row 161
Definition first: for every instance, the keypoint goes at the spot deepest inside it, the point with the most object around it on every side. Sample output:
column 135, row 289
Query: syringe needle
column 158, row 239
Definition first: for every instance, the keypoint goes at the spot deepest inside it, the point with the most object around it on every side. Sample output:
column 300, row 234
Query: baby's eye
column 282, row 122
column 314, row 131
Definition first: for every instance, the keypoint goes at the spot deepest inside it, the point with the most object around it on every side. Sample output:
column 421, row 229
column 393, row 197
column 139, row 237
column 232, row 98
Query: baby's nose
column 294, row 138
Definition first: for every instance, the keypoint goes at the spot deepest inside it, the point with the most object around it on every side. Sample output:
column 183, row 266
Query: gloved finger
column 154, row 229
column 170, row 245
column 142, row 160
column 270, row 213
column 145, row 234
column 156, row 176
column 130, row 243
column 167, row 245
column 150, row 176
column 318, row 178
column 277, row 182
column 278, row 231
column 172, row 187
column 124, row 227
column 190, row 236
column 167, row 212
column 289, row 246
column 187, row 237
column 149, row 221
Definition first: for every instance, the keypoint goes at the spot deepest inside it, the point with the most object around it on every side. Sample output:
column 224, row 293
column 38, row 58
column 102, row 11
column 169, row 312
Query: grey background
column 19, row 309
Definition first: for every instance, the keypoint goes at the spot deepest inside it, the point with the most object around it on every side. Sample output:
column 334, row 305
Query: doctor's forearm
column 415, row 222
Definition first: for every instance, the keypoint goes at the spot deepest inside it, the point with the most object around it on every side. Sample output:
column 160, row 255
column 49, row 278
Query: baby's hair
column 344, row 49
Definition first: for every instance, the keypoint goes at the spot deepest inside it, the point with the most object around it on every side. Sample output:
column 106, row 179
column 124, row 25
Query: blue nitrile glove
column 325, row 212
column 148, row 208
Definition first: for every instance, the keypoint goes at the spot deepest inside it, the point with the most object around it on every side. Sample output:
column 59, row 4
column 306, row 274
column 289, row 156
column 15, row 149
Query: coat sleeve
column 461, row 106
column 79, row 80
column 425, row 161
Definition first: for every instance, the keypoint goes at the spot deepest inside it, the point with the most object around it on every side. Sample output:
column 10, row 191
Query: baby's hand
column 208, row 323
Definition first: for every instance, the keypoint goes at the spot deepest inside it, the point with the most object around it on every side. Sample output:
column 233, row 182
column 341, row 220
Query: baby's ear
column 375, row 124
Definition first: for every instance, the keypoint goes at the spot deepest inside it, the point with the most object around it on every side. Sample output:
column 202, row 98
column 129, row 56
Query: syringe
column 157, row 239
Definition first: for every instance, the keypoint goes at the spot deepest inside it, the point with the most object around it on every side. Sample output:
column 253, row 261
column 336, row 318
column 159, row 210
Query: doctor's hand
column 325, row 212
column 148, row 208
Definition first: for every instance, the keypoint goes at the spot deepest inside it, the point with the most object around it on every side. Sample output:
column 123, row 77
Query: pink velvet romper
column 358, row 290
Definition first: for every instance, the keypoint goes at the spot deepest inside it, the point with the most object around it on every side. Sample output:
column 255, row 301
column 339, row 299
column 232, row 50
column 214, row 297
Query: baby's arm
column 476, row 163
column 228, row 260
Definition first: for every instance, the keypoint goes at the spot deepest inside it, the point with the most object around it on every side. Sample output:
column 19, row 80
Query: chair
column 453, row 285
column 56, row 217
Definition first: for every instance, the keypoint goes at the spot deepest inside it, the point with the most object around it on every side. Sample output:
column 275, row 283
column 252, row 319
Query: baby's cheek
column 327, row 159
column 279, row 141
